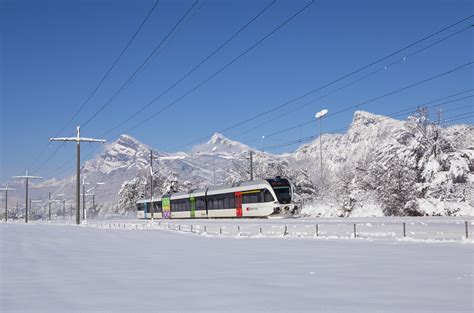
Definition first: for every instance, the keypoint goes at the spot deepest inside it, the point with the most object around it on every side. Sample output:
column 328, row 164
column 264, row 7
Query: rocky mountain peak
column 129, row 142
column 221, row 144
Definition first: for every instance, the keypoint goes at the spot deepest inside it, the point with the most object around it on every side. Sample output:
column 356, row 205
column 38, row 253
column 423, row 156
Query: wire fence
column 437, row 231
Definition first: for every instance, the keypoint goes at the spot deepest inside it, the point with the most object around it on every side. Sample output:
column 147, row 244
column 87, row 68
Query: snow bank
column 438, row 207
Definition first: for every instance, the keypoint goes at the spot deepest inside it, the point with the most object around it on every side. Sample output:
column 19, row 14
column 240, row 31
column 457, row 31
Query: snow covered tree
column 395, row 182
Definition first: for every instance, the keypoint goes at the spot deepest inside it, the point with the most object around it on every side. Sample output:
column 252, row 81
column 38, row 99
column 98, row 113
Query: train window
column 221, row 204
column 267, row 196
column 140, row 207
column 200, row 203
column 157, row 206
column 231, row 198
column 253, row 197
column 210, row 203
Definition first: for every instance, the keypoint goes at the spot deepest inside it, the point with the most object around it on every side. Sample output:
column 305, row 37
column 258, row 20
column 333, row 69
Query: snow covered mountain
column 380, row 166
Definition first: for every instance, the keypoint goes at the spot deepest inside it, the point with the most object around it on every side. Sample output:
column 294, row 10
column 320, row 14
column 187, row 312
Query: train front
column 284, row 194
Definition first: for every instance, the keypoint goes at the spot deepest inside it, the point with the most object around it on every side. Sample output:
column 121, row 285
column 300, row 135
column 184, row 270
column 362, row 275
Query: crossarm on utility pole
column 78, row 139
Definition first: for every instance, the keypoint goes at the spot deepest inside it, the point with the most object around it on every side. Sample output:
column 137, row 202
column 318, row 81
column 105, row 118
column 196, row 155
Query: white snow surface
column 62, row 268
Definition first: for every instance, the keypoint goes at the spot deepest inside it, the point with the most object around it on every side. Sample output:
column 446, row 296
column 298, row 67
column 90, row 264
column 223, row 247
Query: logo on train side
column 251, row 209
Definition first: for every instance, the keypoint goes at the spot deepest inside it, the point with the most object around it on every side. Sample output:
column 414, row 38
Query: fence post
column 404, row 230
column 238, row 230
column 355, row 231
column 205, row 229
column 179, row 227
column 260, row 230
column 192, row 228
column 467, row 230
column 286, row 231
column 220, row 230
column 317, row 230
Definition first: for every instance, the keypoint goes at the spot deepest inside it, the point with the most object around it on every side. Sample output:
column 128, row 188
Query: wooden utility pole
column 49, row 206
column 78, row 139
column 26, row 177
column 251, row 165
column 151, row 184
column 6, row 189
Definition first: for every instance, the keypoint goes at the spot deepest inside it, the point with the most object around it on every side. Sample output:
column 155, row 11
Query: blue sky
column 54, row 53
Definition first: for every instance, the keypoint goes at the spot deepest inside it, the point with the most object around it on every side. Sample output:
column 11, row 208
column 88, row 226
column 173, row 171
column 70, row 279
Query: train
column 257, row 198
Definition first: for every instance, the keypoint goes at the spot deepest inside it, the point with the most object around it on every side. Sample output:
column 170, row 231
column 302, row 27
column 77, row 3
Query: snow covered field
column 63, row 268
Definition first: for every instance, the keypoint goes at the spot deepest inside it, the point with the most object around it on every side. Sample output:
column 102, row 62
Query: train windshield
column 283, row 193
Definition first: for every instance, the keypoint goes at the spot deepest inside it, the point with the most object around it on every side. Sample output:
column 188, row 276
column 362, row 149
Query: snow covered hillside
column 380, row 166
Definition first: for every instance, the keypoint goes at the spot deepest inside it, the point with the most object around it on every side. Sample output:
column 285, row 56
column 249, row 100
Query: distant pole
column 78, row 179
column 49, row 206
column 320, row 149
column 6, row 189
column 151, row 185
column 83, row 198
column 27, row 179
column 78, row 139
column 319, row 117
column 251, row 165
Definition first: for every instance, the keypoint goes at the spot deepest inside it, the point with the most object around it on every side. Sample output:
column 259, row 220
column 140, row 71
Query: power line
column 101, row 81
column 106, row 104
column 197, row 66
column 393, row 115
column 332, row 82
column 292, row 142
column 136, row 73
column 377, row 98
column 383, row 68
column 169, row 42
column 221, row 69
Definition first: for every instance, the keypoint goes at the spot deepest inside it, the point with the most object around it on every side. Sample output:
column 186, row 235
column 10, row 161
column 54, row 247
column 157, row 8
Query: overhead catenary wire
column 352, row 73
column 380, row 97
column 466, row 18
column 169, row 41
column 104, row 77
column 381, row 69
column 196, row 67
column 152, row 116
column 434, row 103
column 396, row 114
column 424, row 48
column 338, row 130
column 125, row 84
column 137, row 71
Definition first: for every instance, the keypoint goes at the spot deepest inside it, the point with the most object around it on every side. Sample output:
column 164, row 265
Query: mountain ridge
column 370, row 139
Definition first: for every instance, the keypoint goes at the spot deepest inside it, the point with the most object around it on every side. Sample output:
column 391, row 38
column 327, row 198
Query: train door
column 166, row 207
column 238, row 204
column 193, row 206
